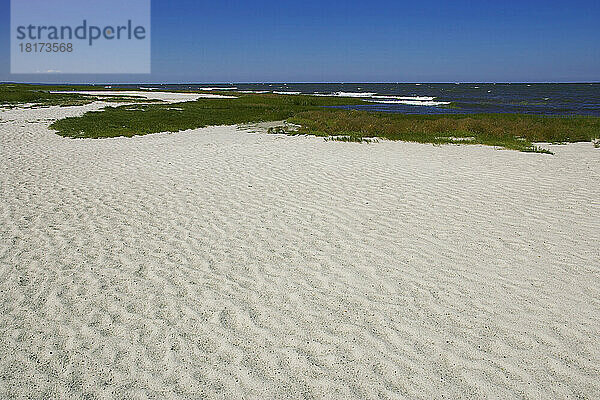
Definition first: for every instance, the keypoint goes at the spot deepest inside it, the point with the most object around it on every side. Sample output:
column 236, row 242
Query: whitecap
column 411, row 102
column 353, row 94
column 217, row 88
column 416, row 98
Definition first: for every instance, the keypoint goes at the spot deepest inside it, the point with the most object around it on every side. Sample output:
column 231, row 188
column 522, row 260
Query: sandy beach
column 167, row 97
column 216, row 263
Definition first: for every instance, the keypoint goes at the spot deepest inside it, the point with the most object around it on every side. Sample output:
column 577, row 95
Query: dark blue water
column 426, row 98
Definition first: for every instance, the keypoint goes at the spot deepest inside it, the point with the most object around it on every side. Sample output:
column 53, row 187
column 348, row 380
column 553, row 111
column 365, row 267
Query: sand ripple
column 217, row 264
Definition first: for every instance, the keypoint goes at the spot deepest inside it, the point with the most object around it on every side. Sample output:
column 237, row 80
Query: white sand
column 168, row 97
column 216, row 264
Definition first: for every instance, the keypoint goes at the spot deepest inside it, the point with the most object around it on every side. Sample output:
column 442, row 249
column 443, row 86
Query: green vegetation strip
column 17, row 95
column 13, row 95
column 315, row 116
column 511, row 131
column 140, row 119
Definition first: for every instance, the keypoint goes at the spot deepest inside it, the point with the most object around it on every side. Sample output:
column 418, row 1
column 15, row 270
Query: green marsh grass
column 12, row 95
column 152, row 118
column 15, row 95
column 511, row 131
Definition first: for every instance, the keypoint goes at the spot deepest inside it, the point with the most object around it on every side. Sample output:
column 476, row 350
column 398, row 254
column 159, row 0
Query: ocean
column 437, row 98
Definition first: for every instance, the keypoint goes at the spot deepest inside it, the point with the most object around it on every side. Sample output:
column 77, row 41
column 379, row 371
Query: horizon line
column 300, row 83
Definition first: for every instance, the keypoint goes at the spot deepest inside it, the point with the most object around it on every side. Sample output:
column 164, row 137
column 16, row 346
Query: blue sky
column 360, row 41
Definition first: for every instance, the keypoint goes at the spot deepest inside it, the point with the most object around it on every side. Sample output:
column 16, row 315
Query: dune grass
column 18, row 95
column 131, row 120
column 12, row 95
column 315, row 115
column 511, row 131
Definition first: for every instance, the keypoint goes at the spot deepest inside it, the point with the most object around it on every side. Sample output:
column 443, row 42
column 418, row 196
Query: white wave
column 255, row 91
column 217, row 88
column 417, row 98
column 411, row 102
column 408, row 100
column 353, row 94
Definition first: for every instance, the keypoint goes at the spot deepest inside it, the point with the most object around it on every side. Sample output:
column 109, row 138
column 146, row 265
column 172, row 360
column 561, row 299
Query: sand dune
column 217, row 264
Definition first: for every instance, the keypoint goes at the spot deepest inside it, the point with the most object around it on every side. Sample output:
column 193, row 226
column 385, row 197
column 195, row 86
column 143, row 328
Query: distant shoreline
column 331, row 116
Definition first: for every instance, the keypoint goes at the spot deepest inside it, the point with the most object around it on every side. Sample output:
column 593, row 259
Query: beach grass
column 315, row 115
column 511, row 131
column 131, row 120
column 18, row 95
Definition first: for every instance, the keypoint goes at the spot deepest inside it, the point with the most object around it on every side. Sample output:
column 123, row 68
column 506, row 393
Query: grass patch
column 511, row 131
column 13, row 95
column 131, row 120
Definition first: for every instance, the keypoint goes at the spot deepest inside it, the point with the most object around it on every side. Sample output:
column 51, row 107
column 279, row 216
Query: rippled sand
column 219, row 264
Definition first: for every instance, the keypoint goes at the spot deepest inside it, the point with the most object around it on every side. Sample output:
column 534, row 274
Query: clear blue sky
column 360, row 41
